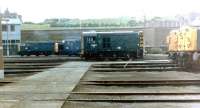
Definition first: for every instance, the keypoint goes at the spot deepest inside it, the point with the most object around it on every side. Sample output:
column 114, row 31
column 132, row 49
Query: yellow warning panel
column 173, row 41
column 187, row 40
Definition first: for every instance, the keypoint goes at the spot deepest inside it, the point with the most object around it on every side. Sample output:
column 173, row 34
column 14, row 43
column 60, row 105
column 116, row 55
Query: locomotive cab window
column 91, row 39
column 61, row 47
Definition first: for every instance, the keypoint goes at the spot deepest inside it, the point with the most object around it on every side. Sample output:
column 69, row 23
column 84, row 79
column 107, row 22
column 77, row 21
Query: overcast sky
column 38, row 10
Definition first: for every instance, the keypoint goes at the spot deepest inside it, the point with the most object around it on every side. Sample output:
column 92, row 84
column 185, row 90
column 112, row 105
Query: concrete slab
column 48, row 89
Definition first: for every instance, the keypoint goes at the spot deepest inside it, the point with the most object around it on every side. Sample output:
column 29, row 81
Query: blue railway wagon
column 37, row 48
column 112, row 45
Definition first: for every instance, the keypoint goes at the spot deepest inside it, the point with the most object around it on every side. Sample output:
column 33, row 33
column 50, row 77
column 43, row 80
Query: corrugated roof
column 110, row 32
column 93, row 33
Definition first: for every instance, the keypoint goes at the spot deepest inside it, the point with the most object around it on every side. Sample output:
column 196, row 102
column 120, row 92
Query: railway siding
column 116, row 86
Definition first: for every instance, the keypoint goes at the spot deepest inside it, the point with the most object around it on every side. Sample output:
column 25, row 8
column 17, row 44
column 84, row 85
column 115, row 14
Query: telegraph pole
column 1, row 53
column 144, row 18
column 7, row 43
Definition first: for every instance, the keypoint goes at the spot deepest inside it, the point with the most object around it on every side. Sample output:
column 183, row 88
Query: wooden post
column 1, row 53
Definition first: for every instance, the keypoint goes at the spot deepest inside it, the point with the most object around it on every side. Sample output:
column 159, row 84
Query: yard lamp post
column 1, row 52
column 80, row 24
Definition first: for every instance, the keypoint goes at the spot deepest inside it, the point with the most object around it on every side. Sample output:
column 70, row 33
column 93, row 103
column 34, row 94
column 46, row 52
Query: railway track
column 33, row 64
column 117, row 85
column 17, row 68
column 28, row 67
column 42, row 59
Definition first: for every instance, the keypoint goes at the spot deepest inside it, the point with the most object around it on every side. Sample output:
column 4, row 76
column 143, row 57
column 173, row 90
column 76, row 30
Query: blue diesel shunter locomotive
column 37, row 48
column 66, row 47
column 69, row 47
column 112, row 45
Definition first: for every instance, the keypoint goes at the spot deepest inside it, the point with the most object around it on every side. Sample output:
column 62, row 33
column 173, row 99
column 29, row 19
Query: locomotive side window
column 106, row 42
column 93, row 38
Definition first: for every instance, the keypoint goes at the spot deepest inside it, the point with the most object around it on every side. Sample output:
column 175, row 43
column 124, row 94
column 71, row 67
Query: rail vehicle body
column 112, row 45
column 184, row 43
column 69, row 47
column 37, row 48
column 65, row 47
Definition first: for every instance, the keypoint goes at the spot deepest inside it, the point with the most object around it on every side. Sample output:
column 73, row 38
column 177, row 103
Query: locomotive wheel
column 86, row 58
column 125, row 59
column 46, row 53
column 112, row 59
column 100, row 59
column 133, row 58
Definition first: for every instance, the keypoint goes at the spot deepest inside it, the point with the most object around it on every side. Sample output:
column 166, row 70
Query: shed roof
column 94, row 33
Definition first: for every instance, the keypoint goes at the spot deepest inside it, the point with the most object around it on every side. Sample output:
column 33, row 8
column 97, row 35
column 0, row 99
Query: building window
column 17, row 41
column 12, row 28
column 4, row 27
column 12, row 41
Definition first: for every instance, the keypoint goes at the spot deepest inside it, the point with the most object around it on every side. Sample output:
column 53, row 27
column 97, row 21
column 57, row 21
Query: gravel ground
column 165, row 75
column 130, row 105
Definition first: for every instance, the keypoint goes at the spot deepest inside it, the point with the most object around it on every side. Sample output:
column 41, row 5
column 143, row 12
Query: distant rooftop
column 12, row 21
column 11, row 18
